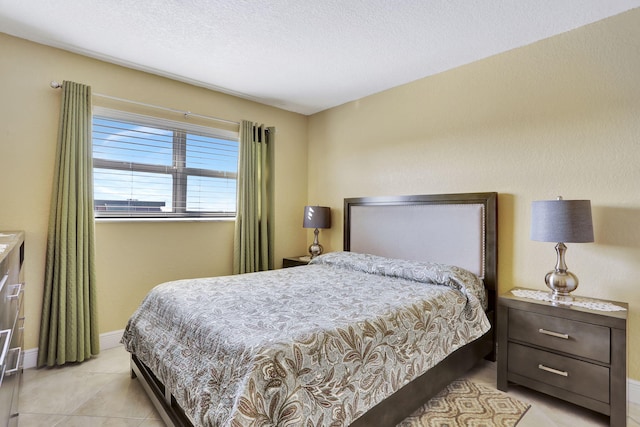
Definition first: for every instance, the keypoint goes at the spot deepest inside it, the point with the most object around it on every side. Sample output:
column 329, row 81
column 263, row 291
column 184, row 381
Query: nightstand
column 574, row 353
column 295, row 261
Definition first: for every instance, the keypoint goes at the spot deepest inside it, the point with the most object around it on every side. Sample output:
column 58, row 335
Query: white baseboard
column 30, row 358
column 633, row 391
column 107, row 340
column 111, row 339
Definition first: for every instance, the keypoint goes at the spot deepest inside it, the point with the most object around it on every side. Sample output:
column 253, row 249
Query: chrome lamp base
column 316, row 248
column 560, row 281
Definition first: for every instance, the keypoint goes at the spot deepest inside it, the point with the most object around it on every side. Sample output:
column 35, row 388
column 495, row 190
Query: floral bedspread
column 307, row 346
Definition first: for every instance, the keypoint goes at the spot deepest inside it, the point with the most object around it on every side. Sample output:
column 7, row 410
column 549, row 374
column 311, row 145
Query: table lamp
column 561, row 221
column 316, row 217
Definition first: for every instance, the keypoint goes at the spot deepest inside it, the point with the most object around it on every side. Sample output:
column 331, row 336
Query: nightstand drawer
column 573, row 375
column 558, row 334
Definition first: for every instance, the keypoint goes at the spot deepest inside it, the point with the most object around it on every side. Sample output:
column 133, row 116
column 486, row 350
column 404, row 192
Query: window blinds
column 149, row 167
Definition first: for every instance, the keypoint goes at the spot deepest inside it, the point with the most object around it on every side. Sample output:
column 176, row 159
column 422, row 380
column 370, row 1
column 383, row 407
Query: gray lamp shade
column 317, row 217
column 566, row 221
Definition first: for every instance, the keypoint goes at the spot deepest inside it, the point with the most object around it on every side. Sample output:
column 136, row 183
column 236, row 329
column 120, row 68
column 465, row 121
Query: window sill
column 195, row 219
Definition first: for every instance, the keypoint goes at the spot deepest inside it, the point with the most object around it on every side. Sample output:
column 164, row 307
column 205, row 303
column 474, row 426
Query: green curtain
column 69, row 326
column 253, row 240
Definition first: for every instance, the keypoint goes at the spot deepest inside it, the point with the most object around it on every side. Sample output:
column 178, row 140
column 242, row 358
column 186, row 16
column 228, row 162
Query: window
column 149, row 167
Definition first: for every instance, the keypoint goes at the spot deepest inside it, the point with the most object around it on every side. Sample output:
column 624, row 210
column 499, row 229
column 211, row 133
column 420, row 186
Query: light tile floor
column 98, row 392
column 101, row 393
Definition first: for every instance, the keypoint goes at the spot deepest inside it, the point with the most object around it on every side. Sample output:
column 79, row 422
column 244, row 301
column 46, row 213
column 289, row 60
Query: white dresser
column 11, row 324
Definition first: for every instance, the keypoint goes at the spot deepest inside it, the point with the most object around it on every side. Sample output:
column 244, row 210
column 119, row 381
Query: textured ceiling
column 299, row 55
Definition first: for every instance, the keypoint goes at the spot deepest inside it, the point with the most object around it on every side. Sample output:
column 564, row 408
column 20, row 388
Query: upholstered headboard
column 457, row 229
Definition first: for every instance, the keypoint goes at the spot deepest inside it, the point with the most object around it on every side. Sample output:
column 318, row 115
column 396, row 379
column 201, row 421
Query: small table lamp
column 561, row 221
column 316, row 217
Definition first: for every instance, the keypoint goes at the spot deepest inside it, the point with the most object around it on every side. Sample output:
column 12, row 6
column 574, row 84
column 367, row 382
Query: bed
column 350, row 339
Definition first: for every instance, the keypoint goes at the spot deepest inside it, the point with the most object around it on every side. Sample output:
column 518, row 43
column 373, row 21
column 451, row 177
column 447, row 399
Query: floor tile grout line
column 104, row 416
column 92, row 395
column 67, row 417
column 113, row 374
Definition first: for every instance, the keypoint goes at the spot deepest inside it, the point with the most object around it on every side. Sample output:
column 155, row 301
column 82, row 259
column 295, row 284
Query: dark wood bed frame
column 405, row 401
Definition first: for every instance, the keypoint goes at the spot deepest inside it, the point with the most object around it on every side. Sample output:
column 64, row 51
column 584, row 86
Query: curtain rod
column 55, row 85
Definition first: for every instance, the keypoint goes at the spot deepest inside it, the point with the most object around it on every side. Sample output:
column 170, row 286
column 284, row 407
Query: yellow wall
column 559, row 117
column 131, row 257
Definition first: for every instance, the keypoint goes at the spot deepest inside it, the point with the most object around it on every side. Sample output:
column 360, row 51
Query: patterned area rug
column 464, row 404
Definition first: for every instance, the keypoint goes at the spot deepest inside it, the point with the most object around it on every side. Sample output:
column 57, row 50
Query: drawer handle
column 18, row 289
column 18, row 366
column 553, row 371
column 554, row 334
column 5, row 346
